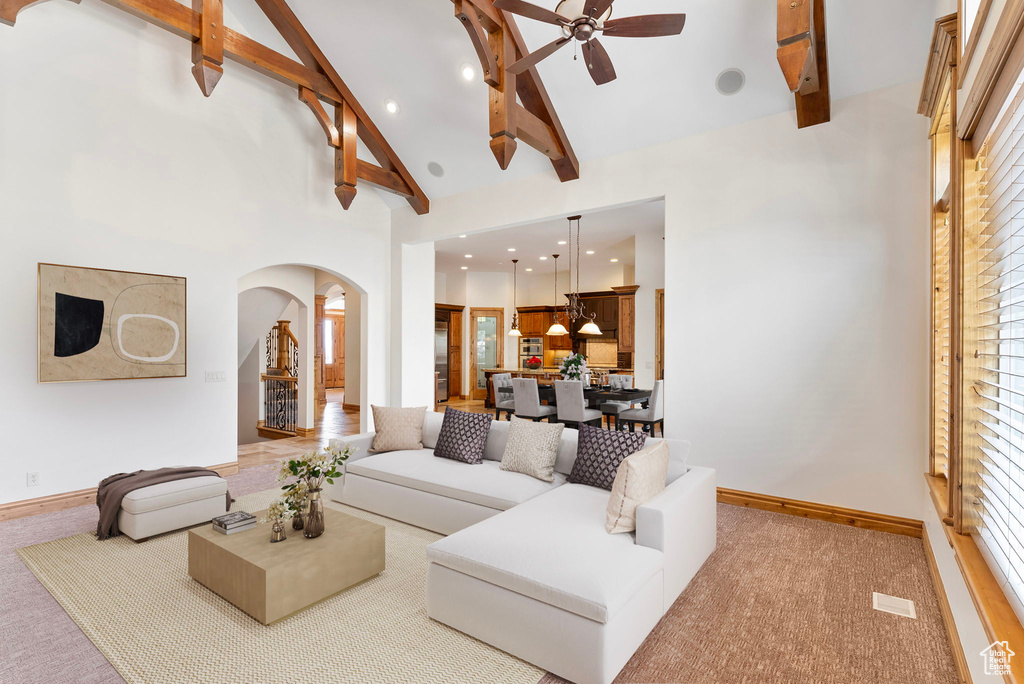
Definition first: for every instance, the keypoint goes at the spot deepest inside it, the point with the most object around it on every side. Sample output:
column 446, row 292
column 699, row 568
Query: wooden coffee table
column 272, row 581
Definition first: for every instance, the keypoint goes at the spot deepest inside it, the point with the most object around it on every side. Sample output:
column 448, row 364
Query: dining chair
column 612, row 409
column 503, row 402
column 648, row 417
column 527, row 400
column 572, row 406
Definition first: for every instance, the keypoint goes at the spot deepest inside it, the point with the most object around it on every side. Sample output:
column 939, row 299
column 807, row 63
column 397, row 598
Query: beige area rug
column 157, row 625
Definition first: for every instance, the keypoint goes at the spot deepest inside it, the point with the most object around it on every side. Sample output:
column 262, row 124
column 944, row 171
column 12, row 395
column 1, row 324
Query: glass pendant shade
column 514, row 332
column 590, row 328
column 557, row 329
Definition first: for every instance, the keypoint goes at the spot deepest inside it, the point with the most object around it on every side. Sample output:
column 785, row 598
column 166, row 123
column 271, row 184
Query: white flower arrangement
column 315, row 468
column 574, row 366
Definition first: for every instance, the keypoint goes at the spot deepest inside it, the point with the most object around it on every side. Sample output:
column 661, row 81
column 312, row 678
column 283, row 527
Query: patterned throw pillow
column 532, row 448
column 640, row 478
column 397, row 429
column 599, row 454
column 463, row 436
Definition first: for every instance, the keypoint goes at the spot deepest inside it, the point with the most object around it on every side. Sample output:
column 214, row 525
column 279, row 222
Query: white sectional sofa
column 528, row 566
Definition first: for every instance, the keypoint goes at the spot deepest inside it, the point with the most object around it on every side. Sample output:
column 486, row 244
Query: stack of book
column 237, row 521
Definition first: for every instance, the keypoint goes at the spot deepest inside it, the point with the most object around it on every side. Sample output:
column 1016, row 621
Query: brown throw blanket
column 113, row 489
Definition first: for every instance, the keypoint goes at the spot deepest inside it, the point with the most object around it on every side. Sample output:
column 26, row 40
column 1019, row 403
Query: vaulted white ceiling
column 412, row 50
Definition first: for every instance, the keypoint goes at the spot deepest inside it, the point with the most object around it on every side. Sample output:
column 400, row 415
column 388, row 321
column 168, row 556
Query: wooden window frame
column 967, row 54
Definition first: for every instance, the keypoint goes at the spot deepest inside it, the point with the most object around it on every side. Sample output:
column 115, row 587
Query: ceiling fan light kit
column 584, row 20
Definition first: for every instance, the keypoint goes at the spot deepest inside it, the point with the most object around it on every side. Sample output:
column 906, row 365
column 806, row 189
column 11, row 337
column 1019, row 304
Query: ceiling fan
column 583, row 20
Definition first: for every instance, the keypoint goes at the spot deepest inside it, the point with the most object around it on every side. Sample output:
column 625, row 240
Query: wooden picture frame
column 102, row 324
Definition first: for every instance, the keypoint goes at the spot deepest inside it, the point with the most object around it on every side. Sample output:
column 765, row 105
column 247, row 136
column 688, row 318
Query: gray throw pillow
column 463, row 436
column 532, row 448
column 599, row 454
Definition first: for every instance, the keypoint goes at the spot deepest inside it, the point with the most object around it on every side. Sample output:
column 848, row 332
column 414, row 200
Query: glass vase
column 297, row 521
column 277, row 532
column 314, row 526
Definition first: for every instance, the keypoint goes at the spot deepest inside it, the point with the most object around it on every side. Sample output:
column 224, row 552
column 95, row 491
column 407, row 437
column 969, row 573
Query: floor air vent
column 891, row 604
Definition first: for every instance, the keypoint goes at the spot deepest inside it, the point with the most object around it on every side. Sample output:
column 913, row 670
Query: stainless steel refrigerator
column 441, row 357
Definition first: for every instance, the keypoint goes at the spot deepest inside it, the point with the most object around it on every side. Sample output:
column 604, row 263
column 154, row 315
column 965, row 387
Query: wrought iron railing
column 281, row 402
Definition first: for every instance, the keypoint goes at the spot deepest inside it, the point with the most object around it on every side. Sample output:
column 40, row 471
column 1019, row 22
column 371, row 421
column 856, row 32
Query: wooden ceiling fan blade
column 525, row 9
column 536, row 56
column 646, row 26
column 598, row 62
column 595, row 8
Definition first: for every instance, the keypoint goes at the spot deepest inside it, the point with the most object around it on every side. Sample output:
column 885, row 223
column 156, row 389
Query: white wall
column 796, row 291
column 650, row 276
column 132, row 168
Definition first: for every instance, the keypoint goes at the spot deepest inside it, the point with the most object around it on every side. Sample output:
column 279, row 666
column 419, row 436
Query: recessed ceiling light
column 590, row 251
column 469, row 256
column 465, row 268
column 561, row 242
column 468, row 72
column 511, row 249
column 613, row 260
column 543, row 258
column 529, row 269
column 462, row 236
column 392, row 106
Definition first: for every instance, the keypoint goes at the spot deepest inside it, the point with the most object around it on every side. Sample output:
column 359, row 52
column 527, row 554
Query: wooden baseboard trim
column 305, row 432
column 963, row 671
column 816, row 511
column 80, row 497
column 274, row 433
column 350, row 407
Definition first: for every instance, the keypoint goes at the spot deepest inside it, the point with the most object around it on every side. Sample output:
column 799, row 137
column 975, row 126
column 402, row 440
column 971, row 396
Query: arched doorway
column 304, row 296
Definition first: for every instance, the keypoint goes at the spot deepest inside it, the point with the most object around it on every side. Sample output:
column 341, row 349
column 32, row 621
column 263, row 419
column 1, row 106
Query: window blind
column 941, row 255
column 993, row 342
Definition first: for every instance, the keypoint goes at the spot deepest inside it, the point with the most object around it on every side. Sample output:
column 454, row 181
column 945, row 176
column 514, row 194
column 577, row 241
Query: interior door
column 487, row 346
column 334, row 350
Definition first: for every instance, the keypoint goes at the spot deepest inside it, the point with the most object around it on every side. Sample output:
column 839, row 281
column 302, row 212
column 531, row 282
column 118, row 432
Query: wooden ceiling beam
column 803, row 56
column 322, row 117
column 503, row 101
column 9, row 9
column 466, row 12
column 537, row 134
column 299, row 40
column 528, row 87
column 345, row 163
column 316, row 80
column 208, row 50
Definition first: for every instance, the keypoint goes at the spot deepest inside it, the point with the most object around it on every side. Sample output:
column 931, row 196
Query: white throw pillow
column 532, row 448
column 397, row 429
column 640, row 477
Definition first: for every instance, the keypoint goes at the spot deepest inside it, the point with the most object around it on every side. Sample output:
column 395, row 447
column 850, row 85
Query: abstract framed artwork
column 97, row 324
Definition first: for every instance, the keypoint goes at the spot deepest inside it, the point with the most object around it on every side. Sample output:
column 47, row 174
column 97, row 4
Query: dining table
column 595, row 395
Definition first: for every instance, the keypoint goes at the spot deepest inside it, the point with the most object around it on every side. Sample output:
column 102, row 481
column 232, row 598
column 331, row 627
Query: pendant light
column 514, row 332
column 574, row 308
column 556, row 327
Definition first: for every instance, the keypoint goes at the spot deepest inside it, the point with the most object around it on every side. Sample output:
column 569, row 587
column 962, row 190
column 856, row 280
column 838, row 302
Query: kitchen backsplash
column 602, row 353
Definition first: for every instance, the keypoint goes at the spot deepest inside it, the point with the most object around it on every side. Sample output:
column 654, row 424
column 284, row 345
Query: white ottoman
column 167, row 506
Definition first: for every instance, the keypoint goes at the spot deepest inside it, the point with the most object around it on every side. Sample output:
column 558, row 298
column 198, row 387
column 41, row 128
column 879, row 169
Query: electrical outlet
column 31, row 479
column 216, row 376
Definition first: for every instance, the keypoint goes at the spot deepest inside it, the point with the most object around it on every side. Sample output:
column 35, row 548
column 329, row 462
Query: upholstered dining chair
column 648, row 417
column 506, row 404
column 611, row 409
column 572, row 406
column 527, row 400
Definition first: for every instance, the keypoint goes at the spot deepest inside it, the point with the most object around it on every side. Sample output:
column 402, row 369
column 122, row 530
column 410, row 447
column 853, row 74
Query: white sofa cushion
column 639, row 479
column 484, row 483
column 555, row 549
column 174, row 493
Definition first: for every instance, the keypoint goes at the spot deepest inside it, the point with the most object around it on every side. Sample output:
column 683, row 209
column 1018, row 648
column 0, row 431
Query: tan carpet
column 784, row 600
column 156, row 625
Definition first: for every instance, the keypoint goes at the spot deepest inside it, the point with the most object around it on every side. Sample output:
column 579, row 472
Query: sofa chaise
column 528, row 566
